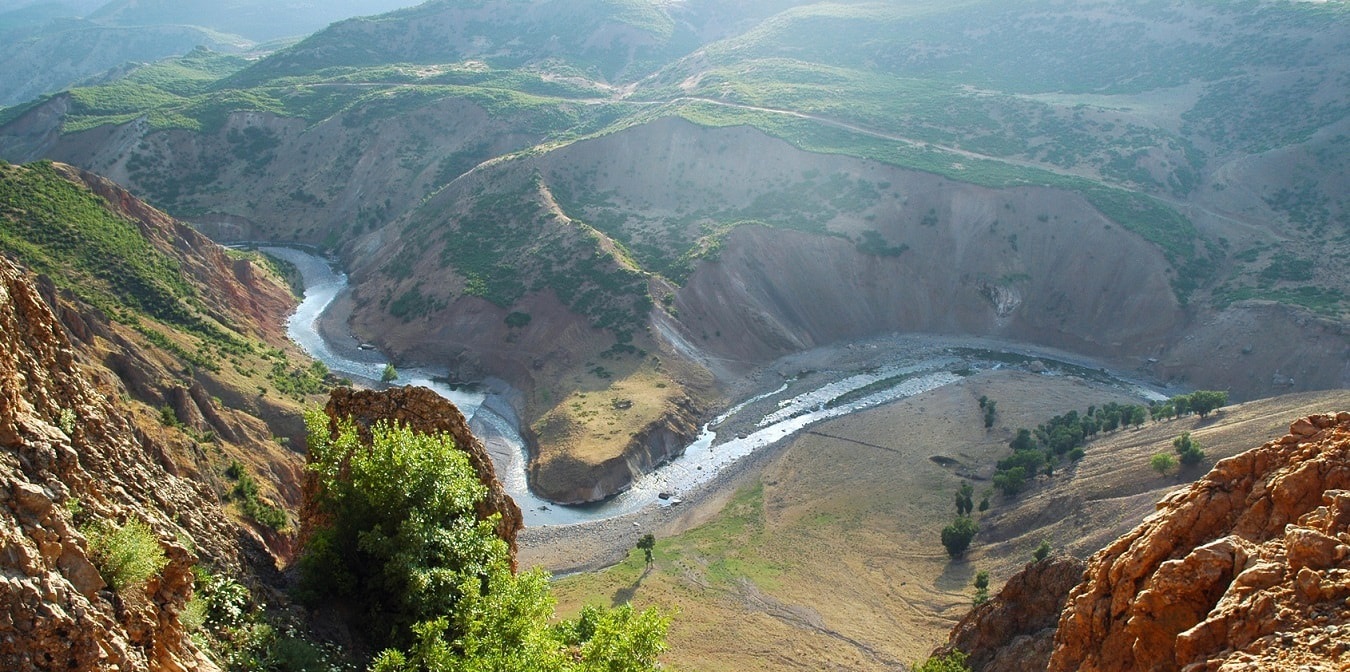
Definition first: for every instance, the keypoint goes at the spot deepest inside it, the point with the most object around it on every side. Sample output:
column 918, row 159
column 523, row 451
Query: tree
column 390, row 374
column 1042, row 551
column 1203, row 402
column 1010, row 481
column 956, row 537
column 964, row 503
column 1188, row 449
column 1181, row 404
column 989, row 413
column 647, row 543
column 401, row 539
column 1138, row 415
column 1162, row 463
column 981, row 587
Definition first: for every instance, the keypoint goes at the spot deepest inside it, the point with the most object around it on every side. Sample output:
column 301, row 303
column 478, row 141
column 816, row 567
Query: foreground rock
column 69, row 453
column 425, row 411
column 1249, row 568
column 1015, row 629
column 1246, row 569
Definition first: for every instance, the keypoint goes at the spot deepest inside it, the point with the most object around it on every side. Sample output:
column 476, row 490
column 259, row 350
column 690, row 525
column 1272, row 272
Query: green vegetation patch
column 59, row 228
column 126, row 555
column 403, row 546
column 508, row 244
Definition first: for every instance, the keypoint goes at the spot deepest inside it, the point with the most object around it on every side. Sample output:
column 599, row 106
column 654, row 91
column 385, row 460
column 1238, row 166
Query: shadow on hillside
column 625, row 595
column 956, row 577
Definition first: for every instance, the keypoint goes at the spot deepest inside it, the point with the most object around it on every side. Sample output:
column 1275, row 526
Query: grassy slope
column 832, row 554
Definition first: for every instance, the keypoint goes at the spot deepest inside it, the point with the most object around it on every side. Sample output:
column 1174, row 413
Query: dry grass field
column 830, row 559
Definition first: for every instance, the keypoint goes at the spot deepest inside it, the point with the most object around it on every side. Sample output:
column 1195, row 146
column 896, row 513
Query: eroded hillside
column 621, row 207
column 186, row 339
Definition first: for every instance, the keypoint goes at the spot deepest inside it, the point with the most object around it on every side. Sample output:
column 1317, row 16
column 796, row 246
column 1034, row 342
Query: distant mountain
column 257, row 20
column 65, row 52
column 51, row 46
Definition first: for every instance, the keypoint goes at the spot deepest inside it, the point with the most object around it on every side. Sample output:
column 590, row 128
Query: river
column 865, row 376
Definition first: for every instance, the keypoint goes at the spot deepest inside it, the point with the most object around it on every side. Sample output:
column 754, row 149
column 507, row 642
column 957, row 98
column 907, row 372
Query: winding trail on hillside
column 1250, row 224
column 1188, row 208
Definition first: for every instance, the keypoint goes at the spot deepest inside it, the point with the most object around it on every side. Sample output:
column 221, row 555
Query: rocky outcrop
column 1015, row 629
column 1248, row 568
column 425, row 411
column 67, row 446
column 565, row 479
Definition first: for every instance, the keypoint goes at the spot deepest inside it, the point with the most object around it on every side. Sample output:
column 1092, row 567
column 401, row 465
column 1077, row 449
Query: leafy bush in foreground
column 403, row 540
column 125, row 556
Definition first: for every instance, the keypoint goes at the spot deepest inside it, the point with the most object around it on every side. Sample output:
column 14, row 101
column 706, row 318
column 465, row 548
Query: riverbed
column 788, row 396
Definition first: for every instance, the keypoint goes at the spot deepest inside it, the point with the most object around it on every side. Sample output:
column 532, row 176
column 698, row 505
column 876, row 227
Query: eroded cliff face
column 559, row 476
column 1248, row 568
column 1015, row 629
column 59, row 612
column 424, row 411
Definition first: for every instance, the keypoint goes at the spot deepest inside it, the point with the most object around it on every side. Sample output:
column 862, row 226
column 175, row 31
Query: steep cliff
column 67, row 447
column 134, row 388
column 1249, row 568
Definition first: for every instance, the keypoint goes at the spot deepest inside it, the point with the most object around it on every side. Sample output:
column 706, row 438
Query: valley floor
column 824, row 552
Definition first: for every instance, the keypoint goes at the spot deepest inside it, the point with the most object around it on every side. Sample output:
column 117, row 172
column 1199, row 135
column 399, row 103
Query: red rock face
column 57, row 611
column 425, row 411
column 1248, row 568
column 1015, row 629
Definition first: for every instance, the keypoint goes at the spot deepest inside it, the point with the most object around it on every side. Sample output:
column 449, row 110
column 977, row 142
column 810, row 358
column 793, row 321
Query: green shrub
column 1042, row 551
column 125, row 556
column 404, row 543
column 952, row 662
column 956, row 537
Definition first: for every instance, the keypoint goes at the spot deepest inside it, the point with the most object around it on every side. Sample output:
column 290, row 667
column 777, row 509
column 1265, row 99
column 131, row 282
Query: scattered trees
column 1038, row 451
column 1200, row 402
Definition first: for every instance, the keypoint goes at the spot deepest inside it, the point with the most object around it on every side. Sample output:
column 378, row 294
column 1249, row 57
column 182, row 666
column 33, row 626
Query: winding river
column 805, row 397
